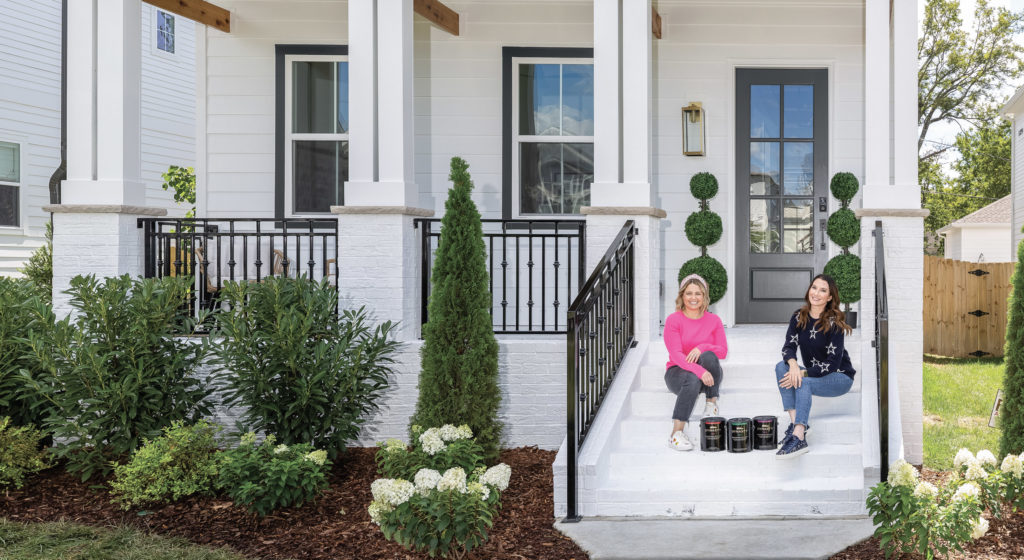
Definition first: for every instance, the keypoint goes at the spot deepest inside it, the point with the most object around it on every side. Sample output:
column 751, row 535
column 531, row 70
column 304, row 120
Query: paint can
column 712, row 434
column 766, row 433
column 740, row 435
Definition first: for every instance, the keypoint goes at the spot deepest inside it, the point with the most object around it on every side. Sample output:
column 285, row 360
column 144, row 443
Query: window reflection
column 764, row 168
column 798, row 174
column 764, row 111
column 797, row 226
column 764, row 226
column 798, row 113
column 555, row 177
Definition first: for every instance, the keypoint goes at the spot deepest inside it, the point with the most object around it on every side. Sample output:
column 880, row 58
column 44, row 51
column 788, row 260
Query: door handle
column 821, row 226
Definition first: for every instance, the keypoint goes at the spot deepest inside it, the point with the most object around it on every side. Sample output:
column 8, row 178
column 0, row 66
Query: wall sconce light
column 693, row 129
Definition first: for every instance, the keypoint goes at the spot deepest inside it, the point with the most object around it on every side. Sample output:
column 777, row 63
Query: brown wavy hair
column 832, row 316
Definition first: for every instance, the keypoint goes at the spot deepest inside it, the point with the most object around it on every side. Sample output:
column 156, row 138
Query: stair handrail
column 881, row 344
column 600, row 330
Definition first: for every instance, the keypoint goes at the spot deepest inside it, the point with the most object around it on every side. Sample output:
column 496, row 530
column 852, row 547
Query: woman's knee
column 781, row 369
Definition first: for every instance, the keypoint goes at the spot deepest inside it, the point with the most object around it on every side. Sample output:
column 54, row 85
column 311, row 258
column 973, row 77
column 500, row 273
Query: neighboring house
column 1014, row 110
column 569, row 112
column 981, row 236
column 30, row 114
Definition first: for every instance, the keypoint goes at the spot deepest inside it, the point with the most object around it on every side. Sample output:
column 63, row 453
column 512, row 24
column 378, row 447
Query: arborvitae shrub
column 844, row 227
column 710, row 270
column 459, row 381
column 39, row 268
column 1012, row 414
column 703, row 228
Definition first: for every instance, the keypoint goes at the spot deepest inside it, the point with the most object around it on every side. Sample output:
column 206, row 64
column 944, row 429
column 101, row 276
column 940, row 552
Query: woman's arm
column 827, row 355
column 674, row 343
column 792, row 341
column 718, row 344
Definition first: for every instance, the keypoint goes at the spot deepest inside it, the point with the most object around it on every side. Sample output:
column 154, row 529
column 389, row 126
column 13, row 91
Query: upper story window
column 165, row 31
column 10, row 184
column 553, row 135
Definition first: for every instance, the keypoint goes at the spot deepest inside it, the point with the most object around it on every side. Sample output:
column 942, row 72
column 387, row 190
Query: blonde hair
column 694, row 281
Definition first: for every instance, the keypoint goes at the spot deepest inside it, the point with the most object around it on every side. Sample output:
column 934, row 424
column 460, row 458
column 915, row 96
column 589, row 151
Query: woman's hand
column 707, row 378
column 793, row 378
column 694, row 355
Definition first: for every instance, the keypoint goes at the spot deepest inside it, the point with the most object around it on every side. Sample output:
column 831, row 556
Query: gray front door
column 781, row 187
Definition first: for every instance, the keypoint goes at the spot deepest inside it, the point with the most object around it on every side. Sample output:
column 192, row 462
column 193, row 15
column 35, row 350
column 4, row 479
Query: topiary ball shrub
column 844, row 185
column 703, row 186
column 710, row 270
column 843, row 227
column 703, row 228
column 845, row 269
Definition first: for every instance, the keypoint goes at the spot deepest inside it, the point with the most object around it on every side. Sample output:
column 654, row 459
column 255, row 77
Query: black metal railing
column 535, row 268
column 216, row 251
column 881, row 344
column 601, row 329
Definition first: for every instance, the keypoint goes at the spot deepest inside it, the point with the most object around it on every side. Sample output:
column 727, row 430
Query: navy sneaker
column 791, row 447
column 789, row 432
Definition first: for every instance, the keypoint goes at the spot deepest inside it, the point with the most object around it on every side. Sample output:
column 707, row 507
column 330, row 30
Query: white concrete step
column 725, row 470
column 646, row 433
column 738, row 402
column 759, row 504
column 741, row 375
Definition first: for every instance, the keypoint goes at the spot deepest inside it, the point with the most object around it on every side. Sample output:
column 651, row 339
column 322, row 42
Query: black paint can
column 766, row 433
column 740, row 435
column 712, row 434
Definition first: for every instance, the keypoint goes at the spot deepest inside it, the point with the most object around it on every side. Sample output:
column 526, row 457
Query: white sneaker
column 679, row 442
column 710, row 409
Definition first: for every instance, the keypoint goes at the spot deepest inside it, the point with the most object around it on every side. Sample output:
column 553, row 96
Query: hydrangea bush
column 439, row 498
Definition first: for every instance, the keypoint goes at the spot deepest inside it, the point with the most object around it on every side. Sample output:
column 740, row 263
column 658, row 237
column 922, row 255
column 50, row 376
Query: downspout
column 61, row 172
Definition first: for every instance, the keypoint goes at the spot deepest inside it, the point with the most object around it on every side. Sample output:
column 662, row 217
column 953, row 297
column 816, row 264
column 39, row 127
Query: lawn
column 958, row 397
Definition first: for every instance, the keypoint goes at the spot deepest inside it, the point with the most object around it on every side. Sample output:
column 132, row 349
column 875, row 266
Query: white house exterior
column 354, row 109
column 983, row 235
column 1014, row 110
column 30, row 115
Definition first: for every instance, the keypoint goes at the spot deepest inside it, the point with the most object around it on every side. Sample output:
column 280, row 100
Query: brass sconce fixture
column 693, row 129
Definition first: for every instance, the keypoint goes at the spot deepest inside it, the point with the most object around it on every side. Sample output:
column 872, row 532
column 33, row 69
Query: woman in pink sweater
column 696, row 342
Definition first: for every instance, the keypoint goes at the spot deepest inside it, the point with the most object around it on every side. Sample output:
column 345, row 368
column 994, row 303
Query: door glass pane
column 764, row 111
column 764, row 226
column 8, row 205
column 10, row 162
column 798, row 172
column 578, row 100
column 539, row 104
column 764, row 168
column 313, row 97
column 321, row 169
column 798, row 113
column 555, row 178
column 798, row 226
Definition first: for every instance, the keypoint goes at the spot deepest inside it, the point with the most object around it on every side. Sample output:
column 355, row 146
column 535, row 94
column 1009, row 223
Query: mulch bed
column 336, row 526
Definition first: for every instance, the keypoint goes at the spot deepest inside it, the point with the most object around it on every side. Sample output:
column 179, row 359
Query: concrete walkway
column 606, row 538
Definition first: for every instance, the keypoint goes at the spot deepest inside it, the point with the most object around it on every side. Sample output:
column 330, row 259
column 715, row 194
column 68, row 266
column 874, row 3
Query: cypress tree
column 459, row 377
column 1012, row 414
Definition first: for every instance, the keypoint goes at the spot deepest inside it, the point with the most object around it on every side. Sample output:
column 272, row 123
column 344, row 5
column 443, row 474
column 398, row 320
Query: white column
column 607, row 154
column 394, row 103
column 904, row 86
column 636, row 103
column 81, row 79
column 362, row 97
column 876, row 104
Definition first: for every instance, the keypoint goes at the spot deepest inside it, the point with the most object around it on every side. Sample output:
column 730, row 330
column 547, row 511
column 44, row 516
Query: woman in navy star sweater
column 817, row 330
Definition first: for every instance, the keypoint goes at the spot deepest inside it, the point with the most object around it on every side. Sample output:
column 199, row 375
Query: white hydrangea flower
column 393, row 491
column 975, row 471
column 392, row 445
column 449, row 432
column 465, row 432
column 979, row 528
column 925, row 490
column 985, row 457
column 319, row 457
column 967, row 490
column 962, row 457
column 1012, row 464
column 280, row 449
column 270, row 439
column 426, row 480
column 902, row 473
column 497, row 476
column 431, row 441
column 477, row 488
column 453, row 479
column 377, row 510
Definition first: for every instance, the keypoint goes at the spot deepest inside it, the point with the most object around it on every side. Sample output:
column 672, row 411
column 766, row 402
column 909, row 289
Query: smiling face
column 692, row 298
column 818, row 295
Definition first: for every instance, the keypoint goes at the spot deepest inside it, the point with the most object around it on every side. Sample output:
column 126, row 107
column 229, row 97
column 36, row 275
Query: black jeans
column 687, row 386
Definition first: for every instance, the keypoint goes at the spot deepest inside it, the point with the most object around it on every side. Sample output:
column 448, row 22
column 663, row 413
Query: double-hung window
column 165, row 31
column 553, row 135
column 315, row 132
column 10, row 184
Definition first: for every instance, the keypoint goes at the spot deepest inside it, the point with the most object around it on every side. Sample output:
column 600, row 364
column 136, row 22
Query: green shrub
column 117, row 375
column 844, row 186
column 182, row 180
column 39, row 268
column 843, row 227
column 703, row 186
column 302, row 372
column 459, row 378
column 266, row 477
column 845, row 269
column 180, row 463
column 709, row 269
column 21, row 311
column 1011, row 417
column 436, row 448
column 703, row 228
column 20, row 454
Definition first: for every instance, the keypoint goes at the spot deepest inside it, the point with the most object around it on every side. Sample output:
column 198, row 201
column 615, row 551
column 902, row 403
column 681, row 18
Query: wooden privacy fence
column 965, row 307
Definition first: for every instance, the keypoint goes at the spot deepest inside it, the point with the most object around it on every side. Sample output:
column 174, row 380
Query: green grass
column 67, row 541
column 958, row 397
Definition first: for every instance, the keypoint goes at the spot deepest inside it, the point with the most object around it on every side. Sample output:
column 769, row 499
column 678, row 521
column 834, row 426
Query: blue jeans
column 831, row 385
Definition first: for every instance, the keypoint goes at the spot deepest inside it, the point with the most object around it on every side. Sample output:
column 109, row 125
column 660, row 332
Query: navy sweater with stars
column 821, row 353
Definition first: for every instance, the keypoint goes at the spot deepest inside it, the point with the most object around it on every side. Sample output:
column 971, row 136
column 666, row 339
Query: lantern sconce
column 693, row 129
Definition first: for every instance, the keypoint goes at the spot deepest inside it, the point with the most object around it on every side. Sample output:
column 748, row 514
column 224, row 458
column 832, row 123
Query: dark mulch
column 336, row 526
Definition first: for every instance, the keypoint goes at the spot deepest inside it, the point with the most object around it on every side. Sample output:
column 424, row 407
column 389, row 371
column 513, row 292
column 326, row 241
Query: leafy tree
column 1011, row 420
column 182, row 180
column 459, row 381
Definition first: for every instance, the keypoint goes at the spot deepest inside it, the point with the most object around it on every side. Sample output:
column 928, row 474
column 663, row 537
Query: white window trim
column 155, row 30
column 518, row 138
column 23, row 221
column 290, row 137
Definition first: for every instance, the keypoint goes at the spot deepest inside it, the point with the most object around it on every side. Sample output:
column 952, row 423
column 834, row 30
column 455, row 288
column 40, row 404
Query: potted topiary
column 704, row 228
column 844, row 230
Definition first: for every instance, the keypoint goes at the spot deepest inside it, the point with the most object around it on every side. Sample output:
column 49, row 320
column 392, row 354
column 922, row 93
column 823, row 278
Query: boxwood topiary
column 709, row 269
column 845, row 269
column 703, row 228
column 703, row 186
column 844, row 227
column 844, row 186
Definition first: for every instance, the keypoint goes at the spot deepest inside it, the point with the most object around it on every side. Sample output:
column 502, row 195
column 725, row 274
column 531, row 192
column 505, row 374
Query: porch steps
column 632, row 472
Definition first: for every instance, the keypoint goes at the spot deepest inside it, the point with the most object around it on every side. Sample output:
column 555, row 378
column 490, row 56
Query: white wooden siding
column 979, row 244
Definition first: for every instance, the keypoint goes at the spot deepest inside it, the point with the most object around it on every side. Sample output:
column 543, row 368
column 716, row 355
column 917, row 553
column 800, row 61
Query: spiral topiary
column 844, row 186
column 844, row 227
column 845, row 270
column 844, row 230
column 704, row 228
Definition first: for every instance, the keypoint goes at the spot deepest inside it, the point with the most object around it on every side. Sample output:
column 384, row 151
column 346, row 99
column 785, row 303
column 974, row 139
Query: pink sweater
column 683, row 334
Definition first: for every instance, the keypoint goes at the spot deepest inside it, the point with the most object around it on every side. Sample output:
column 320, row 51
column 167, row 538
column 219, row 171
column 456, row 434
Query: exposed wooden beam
column 655, row 22
column 197, row 10
column 435, row 11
